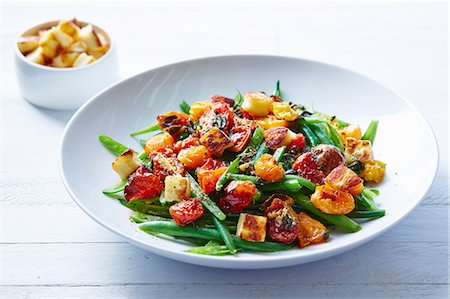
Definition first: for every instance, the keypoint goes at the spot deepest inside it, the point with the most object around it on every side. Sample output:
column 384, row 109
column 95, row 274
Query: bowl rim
column 273, row 261
column 45, row 25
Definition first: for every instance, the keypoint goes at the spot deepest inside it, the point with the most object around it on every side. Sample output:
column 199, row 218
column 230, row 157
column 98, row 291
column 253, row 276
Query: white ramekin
column 64, row 88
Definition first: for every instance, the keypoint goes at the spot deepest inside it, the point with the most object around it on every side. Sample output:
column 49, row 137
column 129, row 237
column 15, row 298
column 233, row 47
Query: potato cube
column 88, row 35
column 69, row 58
column 37, row 56
column 77, row 47
column 344, row 179
column 83, row 59
column 126, row 163
column 176, row 188
column 103, row 41
column 26, row 44
column 357, row 150
column 49, row 47
column 68, row 28
column 257, row 104
column 62, row 38
column 98, row 51
column 251, row 227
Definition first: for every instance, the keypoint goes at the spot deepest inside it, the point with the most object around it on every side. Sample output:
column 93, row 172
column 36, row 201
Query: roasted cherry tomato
column 219, row 115
column 327, row 157
column 267, row 169
column 332, row 201
column 194, row 156
column 239, row 195
column 164, row 166
column 142, row 184
column 217, row 98
column 186, row 211
column 174, row 122
column 297, row 143
column 282, row 221
column 307, row 168
column 311, row 231
column 209, row 174
column 240, row 136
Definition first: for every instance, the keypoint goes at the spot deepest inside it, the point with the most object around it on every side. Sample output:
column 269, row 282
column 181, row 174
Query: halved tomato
column 186, row 211
column 142, row 184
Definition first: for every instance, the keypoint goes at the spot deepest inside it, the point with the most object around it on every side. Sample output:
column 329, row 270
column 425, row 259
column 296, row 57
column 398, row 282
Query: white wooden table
column 51, row 249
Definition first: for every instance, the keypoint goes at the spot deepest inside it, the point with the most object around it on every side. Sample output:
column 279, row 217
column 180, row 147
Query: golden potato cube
column 103, row 41
column 68, row 28
column 176, row 188
column 98, row 51
column 77, row 47
column 344, row 179
column 251, row 227
column 126, row 163
column 257, row 104
column 26, row 44
column 357, row 150
column 83, row 59
column 88, row 35
column 62, row 38
column 37, row 56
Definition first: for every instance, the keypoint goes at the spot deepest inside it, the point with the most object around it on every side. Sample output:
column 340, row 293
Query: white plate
column 404, row 141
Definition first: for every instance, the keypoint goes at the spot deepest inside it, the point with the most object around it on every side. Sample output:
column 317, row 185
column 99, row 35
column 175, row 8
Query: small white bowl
column 64, row 88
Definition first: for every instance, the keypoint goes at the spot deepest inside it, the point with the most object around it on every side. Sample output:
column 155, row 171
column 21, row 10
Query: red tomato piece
column 297, row 143
column 192, row 140
column 164, row 166
column 142, row 184
column 186, row 211
column 240, row 136
column 219, row 115
column 282, row 222
column 307, row 168
column 209, row 174
column 239, row 195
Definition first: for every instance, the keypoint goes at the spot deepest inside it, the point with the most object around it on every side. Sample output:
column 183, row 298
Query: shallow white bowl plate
column 404, row 141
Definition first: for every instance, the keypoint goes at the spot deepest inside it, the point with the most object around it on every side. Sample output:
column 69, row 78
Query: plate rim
column 273, row 261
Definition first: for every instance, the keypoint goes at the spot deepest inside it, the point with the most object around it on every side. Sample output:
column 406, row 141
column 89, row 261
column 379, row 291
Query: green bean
column 374, row 214
column 278, row 154
column 113, row 146
column 340, row 122
column 150, row 128
column 140, row 217
column 218, row 250
column 366, row 198
column 185, row 107
column 206, row 201
column 147, row 206
column 263, row 149
column 277, row 91
column 371, row 131
column 115, row 189
column 257, row 138
column 302, row 181
column 143, row 155
column 334, row 136
column 308, row 132
column 320, row 133
column 289, row 185
column 171, row 229
column 244, row 177
column 238, row 99
column 225, row 233
column 341, row 221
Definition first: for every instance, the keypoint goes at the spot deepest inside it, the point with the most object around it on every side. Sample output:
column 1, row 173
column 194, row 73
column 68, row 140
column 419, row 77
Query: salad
column 254, row 173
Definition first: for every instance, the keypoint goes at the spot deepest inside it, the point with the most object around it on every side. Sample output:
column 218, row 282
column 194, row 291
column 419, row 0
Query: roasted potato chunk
column 251, row 227
column 357, row 150
column 176, row 188
column 344, row 179
column 257, row 104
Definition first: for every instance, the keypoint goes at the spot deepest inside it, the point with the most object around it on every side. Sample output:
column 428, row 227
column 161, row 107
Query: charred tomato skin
column 307, row 168
column 239, row 195
column 327, row 157
column 240, row 136
column 164, row 166
column 142, row 184
column 219, row 115
column 282, row 221
column 186, row 211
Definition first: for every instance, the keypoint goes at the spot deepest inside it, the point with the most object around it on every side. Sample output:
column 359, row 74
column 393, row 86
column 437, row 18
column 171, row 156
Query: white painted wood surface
column 50, row 249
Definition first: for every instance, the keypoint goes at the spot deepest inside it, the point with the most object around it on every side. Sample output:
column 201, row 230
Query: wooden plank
column 55, row 224
column 198, row 291
column 116, row 263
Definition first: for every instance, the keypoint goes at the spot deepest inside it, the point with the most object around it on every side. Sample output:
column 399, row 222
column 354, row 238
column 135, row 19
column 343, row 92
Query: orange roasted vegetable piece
column 158, row 142
column 267, row 169
column 216, row 141
column 311, row 231
column 332, row 201
column 209, row 174
column 194, row 156
column 344, row 179
column 174, row 122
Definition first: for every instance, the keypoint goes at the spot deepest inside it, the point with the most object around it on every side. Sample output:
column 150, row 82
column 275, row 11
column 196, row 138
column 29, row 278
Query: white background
column 50, row 249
